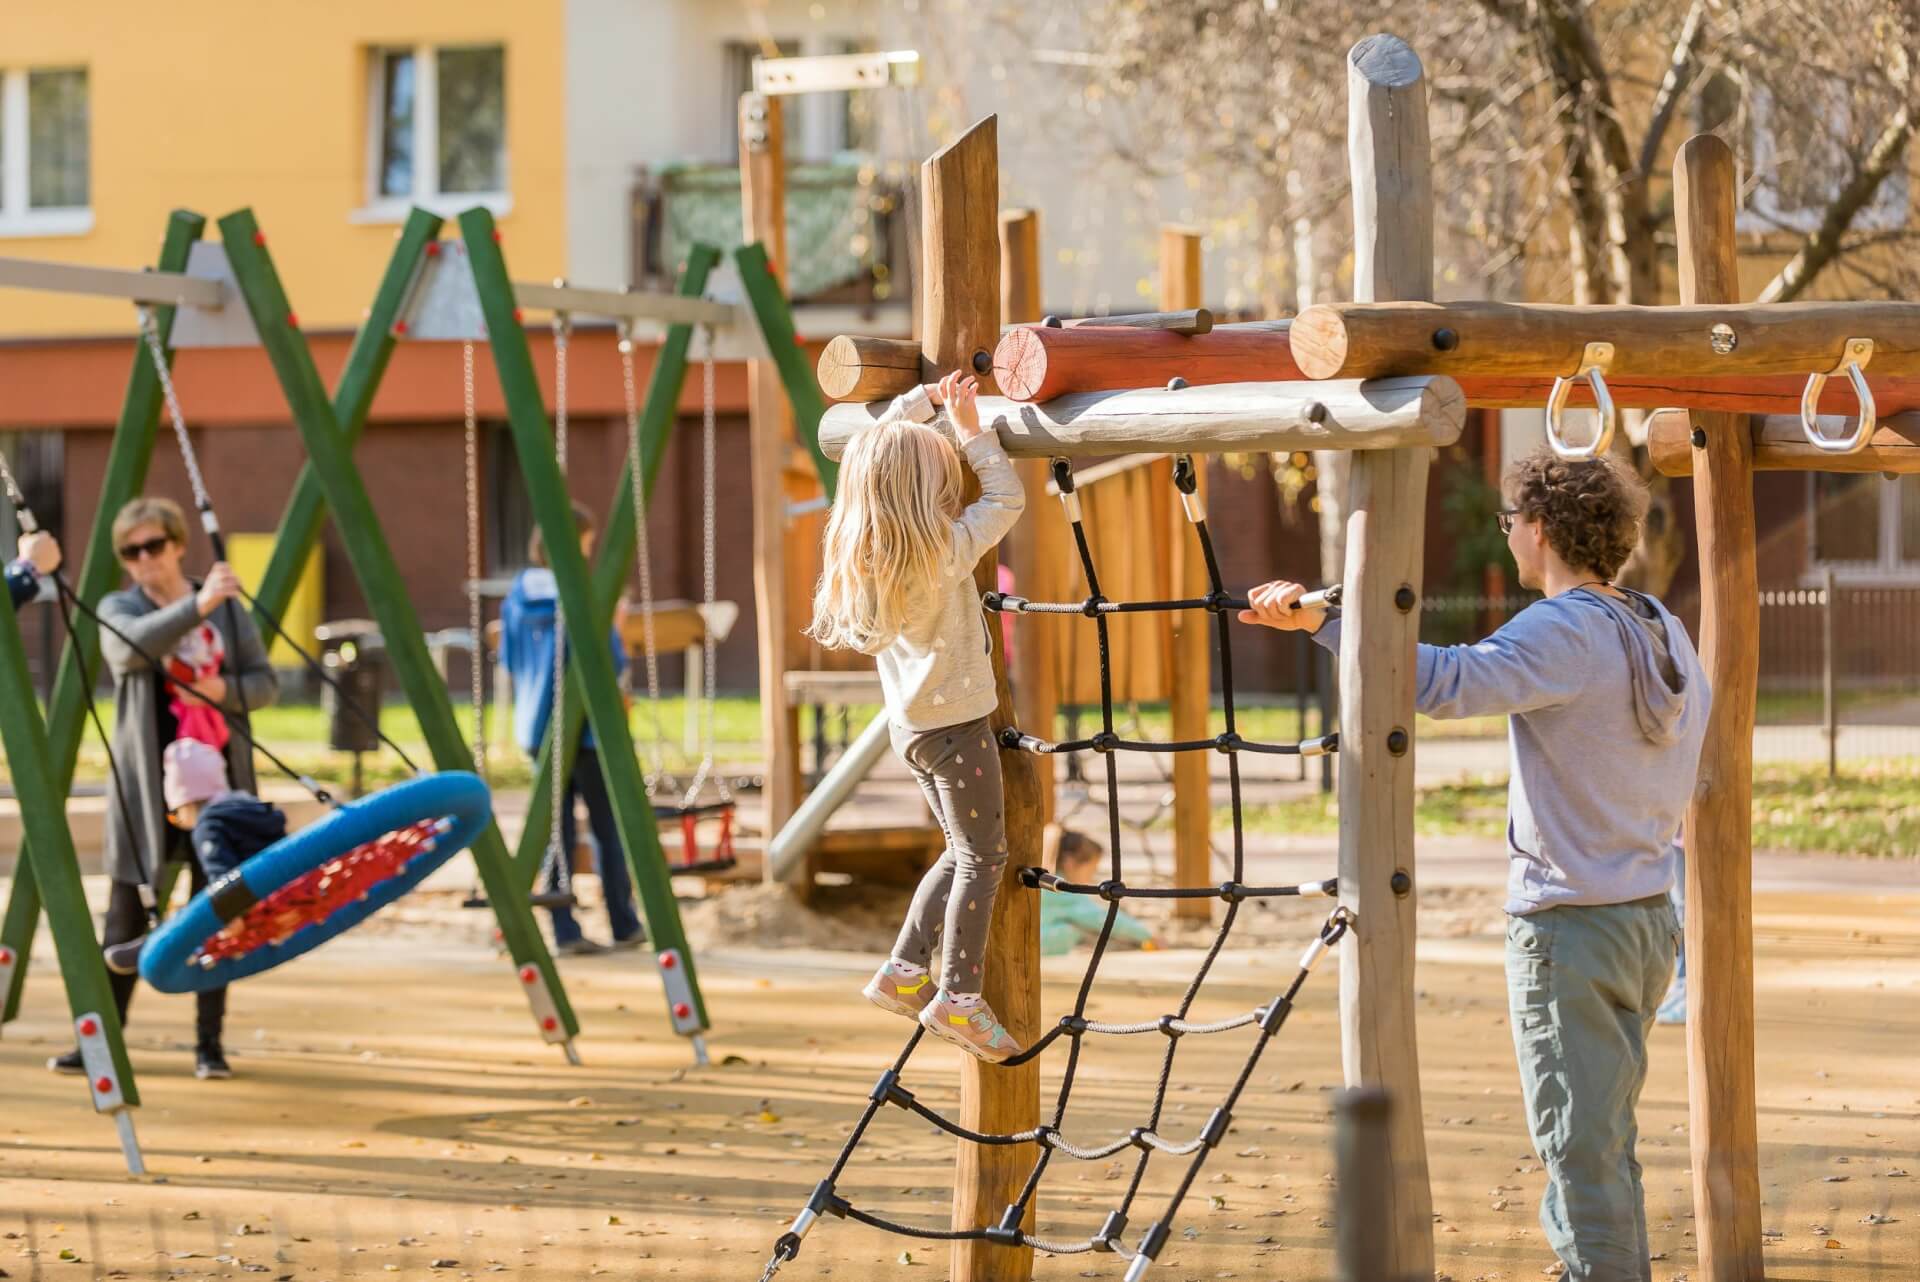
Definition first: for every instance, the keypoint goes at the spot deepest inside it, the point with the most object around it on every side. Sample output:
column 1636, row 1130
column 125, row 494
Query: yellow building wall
column 220, row 104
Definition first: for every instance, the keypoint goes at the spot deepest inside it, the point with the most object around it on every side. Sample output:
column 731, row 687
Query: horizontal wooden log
column 1780, row 446
column 868, row 369
column 1230, row 417
column 1038, row 363
column 1374, row 340
column 1194, row 320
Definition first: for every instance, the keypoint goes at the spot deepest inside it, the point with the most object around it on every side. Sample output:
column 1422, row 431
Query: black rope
column 319, row 669
column 1048, row 1137
column 236, row 722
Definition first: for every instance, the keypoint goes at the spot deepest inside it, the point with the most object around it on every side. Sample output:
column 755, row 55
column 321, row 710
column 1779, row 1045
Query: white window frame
column 1887, row 211
column 18, row 218
column 1887, row 567
column 379, row 207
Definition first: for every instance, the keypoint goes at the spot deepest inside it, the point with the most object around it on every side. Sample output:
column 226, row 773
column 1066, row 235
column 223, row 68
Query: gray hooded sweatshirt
column 1606, row 706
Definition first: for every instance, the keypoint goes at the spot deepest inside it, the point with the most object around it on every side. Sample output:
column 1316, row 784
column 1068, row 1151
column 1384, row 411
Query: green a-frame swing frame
column 44, row 753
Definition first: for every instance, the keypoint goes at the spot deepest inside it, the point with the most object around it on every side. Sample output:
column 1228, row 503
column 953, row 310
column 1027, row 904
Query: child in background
column 898, row 585
column 1070, row 920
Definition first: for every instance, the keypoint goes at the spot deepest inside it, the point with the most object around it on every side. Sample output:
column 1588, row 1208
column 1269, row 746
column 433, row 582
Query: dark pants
column 127, row 919
column 616, row 883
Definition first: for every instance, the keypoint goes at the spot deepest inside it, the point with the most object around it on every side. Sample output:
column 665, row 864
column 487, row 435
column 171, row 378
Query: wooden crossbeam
column 1038, row 363
column 1230, row 417
column 1780, row 445
column 625, row 304
column 1370, row 340
column 159, row 289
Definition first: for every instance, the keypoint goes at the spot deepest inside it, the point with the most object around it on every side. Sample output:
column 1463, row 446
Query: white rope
column 150, row 331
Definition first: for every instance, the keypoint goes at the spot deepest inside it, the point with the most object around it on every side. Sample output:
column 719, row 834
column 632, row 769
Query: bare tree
column 1553, row 121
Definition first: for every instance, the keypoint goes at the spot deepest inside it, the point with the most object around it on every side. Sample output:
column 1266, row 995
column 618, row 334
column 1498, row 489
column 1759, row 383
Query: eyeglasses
column 1505, row 517
column 132, row 552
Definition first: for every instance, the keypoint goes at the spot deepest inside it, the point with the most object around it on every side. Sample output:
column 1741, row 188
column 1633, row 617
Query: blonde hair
column 164, row 513
column 889, row 535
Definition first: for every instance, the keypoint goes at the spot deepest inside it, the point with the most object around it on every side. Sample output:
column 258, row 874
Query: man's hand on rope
column 40, row 550
column 1277, row 605
column 222, row 585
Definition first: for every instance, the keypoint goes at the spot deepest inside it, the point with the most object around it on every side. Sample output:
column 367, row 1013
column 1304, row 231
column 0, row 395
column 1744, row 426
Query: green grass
column 1873, row 808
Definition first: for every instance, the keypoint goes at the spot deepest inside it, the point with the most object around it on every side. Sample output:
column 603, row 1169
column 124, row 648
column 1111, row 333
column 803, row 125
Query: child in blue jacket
column 527, row 648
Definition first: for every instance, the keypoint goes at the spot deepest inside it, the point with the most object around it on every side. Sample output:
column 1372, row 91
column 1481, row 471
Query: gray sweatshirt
column 939, row 671
column 1606, row 705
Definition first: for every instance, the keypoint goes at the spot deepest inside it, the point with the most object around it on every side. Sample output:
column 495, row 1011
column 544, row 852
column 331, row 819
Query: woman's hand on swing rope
column 40, row 550
column 222, row 585
column 1277, row 605
column 960, row 393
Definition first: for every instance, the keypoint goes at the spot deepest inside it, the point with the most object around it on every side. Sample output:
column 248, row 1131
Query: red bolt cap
column 668, row 961
column 497, row 237
column 104, row 1086
column 88, row 1028
column 259, row 238
column 399, row 327
column 681, row 1010
column 6, row 956
column 529, row 973
column 293, row 321
column 518, row 314
column 433, row 249
column 549, row 1023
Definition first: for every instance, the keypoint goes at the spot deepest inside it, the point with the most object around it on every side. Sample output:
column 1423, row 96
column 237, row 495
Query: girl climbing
column 898, row 585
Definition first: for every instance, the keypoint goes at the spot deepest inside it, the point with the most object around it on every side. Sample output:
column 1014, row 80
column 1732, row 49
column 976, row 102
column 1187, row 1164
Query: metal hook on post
column 1853, row 362
column 1593, row 365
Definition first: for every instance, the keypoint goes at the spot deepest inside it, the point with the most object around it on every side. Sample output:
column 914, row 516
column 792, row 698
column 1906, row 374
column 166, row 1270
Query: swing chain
column 558, row 857
column 708, row 468
column 474, row 622
column 656, row 770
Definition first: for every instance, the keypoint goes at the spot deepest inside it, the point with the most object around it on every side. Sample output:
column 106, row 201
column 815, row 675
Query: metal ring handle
column 1858, row 352
column 1596, row 358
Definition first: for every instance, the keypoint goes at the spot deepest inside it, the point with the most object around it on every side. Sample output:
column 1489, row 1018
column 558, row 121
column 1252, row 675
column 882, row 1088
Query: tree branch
column 1680, row 71
column 1823, row 245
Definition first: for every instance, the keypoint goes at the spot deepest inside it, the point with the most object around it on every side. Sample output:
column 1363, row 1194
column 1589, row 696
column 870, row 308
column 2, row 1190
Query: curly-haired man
column 1606, row 704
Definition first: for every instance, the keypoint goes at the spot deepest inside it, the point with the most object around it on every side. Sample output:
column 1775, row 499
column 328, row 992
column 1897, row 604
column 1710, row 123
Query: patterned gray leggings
column 958, row 768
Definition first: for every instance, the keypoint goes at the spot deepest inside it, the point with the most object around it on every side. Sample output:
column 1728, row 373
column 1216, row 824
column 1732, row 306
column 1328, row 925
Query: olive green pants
column 1583, row 983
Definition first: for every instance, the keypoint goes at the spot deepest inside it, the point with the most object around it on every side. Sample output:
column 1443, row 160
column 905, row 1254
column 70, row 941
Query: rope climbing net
column 1050, row 1138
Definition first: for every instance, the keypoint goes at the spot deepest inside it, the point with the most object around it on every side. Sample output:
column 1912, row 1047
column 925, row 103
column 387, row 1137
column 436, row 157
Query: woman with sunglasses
column 203, row 646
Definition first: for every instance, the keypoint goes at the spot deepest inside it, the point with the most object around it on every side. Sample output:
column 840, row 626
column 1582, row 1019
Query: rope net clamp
column 1063, row 482
column 1110, row 1231
column 1853, row 361
column 1156, row 1237
column 1007, row 1231
column 1186, row 479
column 1594, row 361
column 1337, row 924
column 1320, row 746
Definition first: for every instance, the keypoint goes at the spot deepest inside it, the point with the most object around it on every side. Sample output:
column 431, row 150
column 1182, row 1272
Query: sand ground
column 393, row 1115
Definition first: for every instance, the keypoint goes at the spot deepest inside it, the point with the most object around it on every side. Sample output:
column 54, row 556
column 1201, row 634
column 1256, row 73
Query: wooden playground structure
column 1389, row 376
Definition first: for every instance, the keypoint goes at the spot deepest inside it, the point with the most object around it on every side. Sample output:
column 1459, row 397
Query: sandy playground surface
column 393, row 1115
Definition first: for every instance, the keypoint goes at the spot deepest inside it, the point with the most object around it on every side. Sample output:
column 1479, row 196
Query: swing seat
column 306, row 888
column 692, row 859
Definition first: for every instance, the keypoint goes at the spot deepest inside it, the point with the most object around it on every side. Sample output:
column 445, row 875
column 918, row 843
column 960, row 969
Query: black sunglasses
column 1504, row 518
column 151, row 547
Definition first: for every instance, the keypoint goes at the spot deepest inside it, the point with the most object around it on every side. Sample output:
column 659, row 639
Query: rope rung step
column 1230, row 891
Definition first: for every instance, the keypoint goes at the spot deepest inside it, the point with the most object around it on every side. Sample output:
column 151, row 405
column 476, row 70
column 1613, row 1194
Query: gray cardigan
column 157, row 630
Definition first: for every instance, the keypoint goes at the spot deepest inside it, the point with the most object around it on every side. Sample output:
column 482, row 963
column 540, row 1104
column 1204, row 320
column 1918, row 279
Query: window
column 1865, row 525
column 438, row 135
column 1801, row 160
column 45, row 177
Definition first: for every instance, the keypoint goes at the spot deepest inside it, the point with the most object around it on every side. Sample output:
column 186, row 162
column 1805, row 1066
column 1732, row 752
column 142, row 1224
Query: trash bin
column 354, row 657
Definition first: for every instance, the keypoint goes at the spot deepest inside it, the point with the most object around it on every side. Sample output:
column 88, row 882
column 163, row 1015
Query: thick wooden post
column 1037, row 547
column 763, row 201
column 1192, row 691
column 960, row 199
column 1393, row 260
column 1720, row 1048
